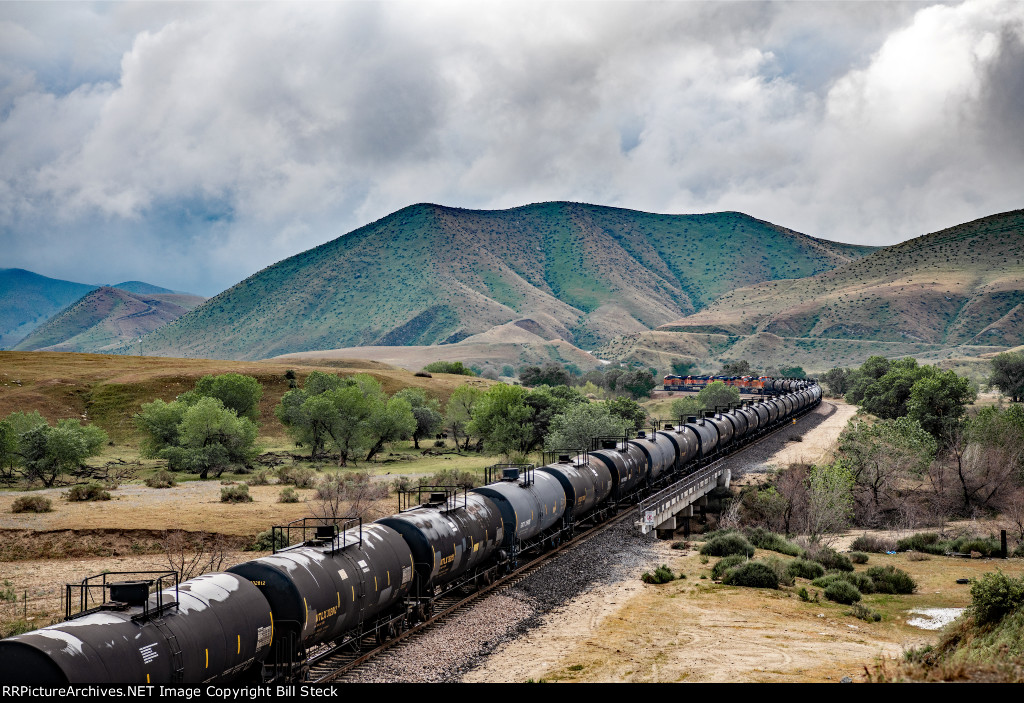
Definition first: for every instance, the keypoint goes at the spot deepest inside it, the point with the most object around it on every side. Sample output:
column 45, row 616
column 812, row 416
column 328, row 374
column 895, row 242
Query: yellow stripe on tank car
column 207, row 658
column 375, row 586
column 338, row 593
column 353, row 594
column 239, row 645
column 147, row 678
column 306, row 606
column 271, row 629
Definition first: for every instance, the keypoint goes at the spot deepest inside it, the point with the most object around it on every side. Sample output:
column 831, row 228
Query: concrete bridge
column 672, row 507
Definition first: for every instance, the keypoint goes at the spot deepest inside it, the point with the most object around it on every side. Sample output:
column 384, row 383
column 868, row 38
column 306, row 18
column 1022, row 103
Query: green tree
column 426, row 410
column 550, row 374
column 682, row 408
column 938, row 402
column 212, row 438
column 793, row 372
column 47, row 452
column 870, row 371
column 1008, row 374
column 839, row 380
column 887, row 397
column 455, row 367
column 717, row 394
column 458, row 413
column 740, row 367
column 390, row 419
column 682, row 368
column 829, row 499
column 235, row 391
column 629, row 410
column 574, row 428
column 159, row 422
column 503, row 420
column 638, row 383
column 880, row 456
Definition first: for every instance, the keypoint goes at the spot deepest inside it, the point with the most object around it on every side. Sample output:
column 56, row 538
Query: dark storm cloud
column 191, row 145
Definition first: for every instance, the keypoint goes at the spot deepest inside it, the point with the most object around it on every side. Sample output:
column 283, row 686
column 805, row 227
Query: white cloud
column 199, row 143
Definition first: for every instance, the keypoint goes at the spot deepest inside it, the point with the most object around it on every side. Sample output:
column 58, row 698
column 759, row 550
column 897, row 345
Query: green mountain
column 27, row 300
column 107, row 318
column 429, row 274
column 951, row 293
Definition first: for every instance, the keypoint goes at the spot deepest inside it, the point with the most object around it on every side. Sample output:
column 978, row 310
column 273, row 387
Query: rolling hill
column 429, row 274
column 107, row 318
column 957, row 291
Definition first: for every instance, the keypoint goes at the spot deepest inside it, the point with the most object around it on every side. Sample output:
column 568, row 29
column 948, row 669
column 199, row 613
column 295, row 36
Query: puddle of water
column 934, row 618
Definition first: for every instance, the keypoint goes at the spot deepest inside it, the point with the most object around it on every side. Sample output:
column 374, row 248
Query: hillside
column 107, row 318
column 429, row 274
column 960, row 287
column 27, row 300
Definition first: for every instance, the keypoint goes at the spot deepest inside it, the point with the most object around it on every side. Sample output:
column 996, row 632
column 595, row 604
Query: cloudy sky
column 191, row 145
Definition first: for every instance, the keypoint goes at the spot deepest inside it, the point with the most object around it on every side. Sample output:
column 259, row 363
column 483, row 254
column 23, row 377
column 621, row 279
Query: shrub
column 662, row 574
column 288, row 495
column 781, row 569
column 922, row 542
column 986, row 546
column 873, row 544
column 804, row 595
column 752, row 574
column 680, row 545
column 32, row 504
column 859, row 581
column 917, row 556
column 724, row 564
column 832, row 560
column 801, row 568
column 440, row 444
column 161, row 479
column 763, row 539
column 843, row 592
column 726, row 544
column 889, row 579
column 260, row 478
column 858, row 557
column 235, row 494
column 865, row 614
column 263, row 541
column 994, row 596
column 90, row 491
column 298, row 477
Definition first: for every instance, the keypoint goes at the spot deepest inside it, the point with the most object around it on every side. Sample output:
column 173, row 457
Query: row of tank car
column 271, row 618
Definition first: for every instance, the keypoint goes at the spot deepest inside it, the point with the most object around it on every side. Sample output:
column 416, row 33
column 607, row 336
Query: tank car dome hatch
column 221, row 627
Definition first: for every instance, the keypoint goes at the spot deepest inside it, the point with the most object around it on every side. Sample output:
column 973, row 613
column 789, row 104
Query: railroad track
column 338, row 665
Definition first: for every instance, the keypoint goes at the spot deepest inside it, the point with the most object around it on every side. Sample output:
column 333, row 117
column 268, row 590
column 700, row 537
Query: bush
column 662, row 574
column 987, row 546
column 873, row 544
column 235, row 494
column 843, row 592
column 917, row 556
column 994, row 596
column 288, row 495
column 161, row 479
column 865, row 614
column 763, row 539
column 263, row 541
column 921, row 542
column 804, row 595
column 858, row 557
column 753, row 574
column 801, row 568
column 724, row 564
column 832, row 560
column 726, row 544
column 781, row 569
column 440, row 444
column 32, row 504
column 859, row 581
column 298, row 477
column 889, row 579
column 90, row 491
column 260, row 478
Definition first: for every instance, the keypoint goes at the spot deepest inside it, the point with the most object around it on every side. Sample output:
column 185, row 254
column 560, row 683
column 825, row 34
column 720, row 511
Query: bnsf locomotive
column 754, row 385
column 267, row 619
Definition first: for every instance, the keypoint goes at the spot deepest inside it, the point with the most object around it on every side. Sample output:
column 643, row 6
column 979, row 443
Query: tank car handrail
column 338, row 525
column 503, row 472
column 447, row 503
column 85, row 588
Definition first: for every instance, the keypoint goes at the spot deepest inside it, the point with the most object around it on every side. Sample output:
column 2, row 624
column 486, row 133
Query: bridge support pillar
column 724, row 478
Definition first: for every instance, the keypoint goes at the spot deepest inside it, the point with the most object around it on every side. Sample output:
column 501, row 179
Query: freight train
column 753, row 385
column 267, row 619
